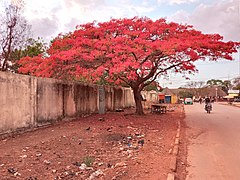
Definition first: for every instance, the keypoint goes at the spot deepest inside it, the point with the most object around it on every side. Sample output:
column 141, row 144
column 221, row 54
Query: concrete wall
column 27, row 101
column 17, row 99
column 151, row 97
column 49, row 100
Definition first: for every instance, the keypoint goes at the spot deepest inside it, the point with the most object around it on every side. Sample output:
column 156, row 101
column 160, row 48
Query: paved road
column 214, row 142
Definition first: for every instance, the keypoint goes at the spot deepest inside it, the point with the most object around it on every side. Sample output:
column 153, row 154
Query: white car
column 188, row 101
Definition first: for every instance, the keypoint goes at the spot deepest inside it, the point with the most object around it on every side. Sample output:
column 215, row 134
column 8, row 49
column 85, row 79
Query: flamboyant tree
column 134, row 51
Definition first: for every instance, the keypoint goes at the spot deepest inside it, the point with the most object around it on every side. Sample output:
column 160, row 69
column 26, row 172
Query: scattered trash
column 100, row 164
column 23, row 156
column 31, row 178
column 96, row 174
column 109, row 129
column 12, row 170
column 141, row 142
column 119, row 110
column 77, row 163
column 129, row 138
column 89, row 168
column 80, row 141
column 129, row 145
column 47, row 162
column 17, row 174
column 121, row 164
column 109, row 165
column 83, row 166
column 38, row 154
column 54, row 171
column 101, row 119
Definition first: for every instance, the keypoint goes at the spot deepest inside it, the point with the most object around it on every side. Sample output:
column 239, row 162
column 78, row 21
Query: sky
column 48, row 18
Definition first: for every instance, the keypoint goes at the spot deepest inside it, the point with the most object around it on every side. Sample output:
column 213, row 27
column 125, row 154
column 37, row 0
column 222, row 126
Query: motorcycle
column 208, row 107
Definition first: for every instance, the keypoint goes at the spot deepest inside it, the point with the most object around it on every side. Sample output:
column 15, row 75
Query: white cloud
column 221, row 17
column 65, row 15
column 172, row 2
column 45, row 27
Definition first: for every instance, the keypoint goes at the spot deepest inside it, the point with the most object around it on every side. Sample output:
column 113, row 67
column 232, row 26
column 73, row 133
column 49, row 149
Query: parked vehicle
column 236, row 99
column 188, row 101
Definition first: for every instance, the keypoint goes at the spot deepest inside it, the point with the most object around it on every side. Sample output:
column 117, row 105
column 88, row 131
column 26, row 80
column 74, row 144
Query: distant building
column 173, row 95
column 169, row 96
column 232, row 94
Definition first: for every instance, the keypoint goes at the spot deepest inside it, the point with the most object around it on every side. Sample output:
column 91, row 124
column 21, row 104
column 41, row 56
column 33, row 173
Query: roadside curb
column 227, row 104
column 174, row 152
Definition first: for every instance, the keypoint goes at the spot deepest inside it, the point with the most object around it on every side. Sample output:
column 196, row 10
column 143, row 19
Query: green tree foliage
column 236, row 83
column 34, row 47
column 153, row 86
column 214, row 82
column 225, row 85
column 185, row 94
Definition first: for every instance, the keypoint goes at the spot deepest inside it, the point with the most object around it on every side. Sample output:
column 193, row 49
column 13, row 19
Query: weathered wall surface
column 49, row 100
column 17, row 101
column 86, row 98
column 151, row 97
column 27, row 101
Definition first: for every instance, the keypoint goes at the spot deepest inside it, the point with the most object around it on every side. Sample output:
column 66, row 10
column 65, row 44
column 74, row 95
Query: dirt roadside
column 112, row 146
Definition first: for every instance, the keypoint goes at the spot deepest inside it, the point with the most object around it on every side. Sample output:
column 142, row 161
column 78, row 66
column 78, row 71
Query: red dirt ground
column 113, row 146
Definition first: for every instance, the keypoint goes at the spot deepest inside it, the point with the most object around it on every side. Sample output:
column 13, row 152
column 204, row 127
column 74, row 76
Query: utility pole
column 239, row 56
column 216, row 94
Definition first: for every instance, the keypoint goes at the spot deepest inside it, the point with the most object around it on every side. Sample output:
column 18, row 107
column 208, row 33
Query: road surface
column 214, row 142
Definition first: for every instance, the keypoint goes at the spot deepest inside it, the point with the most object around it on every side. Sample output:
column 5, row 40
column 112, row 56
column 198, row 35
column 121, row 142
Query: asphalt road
column 214, row 142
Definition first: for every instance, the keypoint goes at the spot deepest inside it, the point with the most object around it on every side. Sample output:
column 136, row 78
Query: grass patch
column 88, row 160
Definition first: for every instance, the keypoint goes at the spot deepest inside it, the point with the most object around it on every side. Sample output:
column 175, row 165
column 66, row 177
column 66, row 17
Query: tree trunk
column 138, row 101
column 4, row 66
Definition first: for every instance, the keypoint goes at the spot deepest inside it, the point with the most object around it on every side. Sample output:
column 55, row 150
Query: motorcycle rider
column 208, row 101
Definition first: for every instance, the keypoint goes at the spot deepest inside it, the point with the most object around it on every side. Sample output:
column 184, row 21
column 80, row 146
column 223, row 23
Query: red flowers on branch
column 134, row 51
